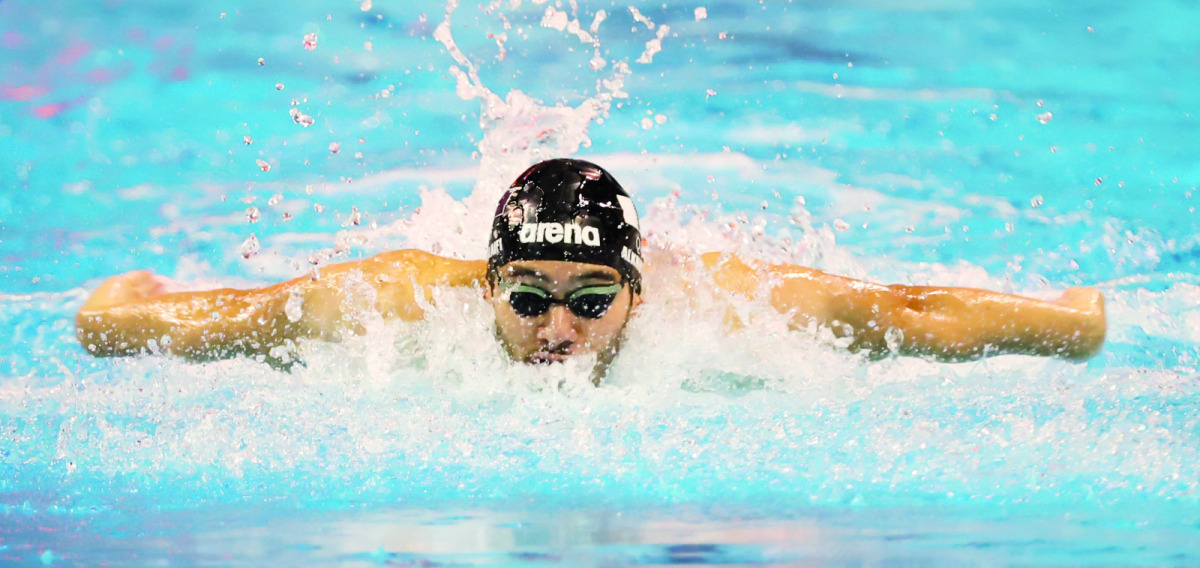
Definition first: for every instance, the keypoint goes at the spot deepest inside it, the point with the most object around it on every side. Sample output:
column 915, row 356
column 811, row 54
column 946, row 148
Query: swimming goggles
column 588, row 302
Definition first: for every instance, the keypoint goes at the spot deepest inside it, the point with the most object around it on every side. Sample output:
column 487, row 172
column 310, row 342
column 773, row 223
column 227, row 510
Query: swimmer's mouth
column 546, row 358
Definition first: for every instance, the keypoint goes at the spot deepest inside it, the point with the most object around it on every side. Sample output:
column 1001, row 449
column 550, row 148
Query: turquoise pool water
column 1019, row 146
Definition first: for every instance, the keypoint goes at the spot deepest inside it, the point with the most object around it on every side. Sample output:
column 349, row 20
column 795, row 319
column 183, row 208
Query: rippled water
column 1024, row 148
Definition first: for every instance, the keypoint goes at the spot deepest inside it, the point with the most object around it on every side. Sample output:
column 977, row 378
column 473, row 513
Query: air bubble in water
column 252, row 214
column 250, row 246
column 263, row 165
column 310, row 41
column 1036, row 201
column 1045, row 117
column 700, row 13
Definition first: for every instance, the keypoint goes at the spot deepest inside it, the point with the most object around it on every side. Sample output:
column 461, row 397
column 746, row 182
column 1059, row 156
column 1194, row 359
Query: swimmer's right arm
column 130, row 314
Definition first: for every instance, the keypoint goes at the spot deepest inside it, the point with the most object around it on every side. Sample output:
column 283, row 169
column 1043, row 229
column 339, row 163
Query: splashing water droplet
column 647, row 124
column 700, row 13
column 248, row 140
column 275, row 199
column 1036, row 201
column 335, row 147
column 660, row 118
column 1045, row 117
column 310, row 41
column 1040, row 102
column 252, row 214
column 365, row 6
column 250, row 246
column 840, row 225
column 1099, row 181
column 263, row 165
column 1009, row 227
column 597, row 63
column 278, row 86
column 1090, row 29
column 709, row 93
column 300, row 118
column 318, row 208
column 262, row 61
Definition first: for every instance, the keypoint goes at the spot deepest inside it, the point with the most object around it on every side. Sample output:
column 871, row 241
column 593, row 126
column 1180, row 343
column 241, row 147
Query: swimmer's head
column 564, row 263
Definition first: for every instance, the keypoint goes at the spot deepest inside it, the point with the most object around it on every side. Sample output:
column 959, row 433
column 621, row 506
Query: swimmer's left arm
column 952, row 324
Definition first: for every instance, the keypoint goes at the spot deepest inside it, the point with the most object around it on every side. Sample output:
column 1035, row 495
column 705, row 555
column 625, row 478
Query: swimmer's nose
column 558, row 330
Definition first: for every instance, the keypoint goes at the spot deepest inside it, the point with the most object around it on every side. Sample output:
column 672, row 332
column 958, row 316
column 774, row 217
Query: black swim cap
column 568, row 210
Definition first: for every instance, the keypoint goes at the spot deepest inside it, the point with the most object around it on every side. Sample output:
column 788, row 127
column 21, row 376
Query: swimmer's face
column 559, row 333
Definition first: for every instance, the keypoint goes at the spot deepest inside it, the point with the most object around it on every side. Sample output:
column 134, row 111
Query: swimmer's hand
column 125, row 288
column 136, row 313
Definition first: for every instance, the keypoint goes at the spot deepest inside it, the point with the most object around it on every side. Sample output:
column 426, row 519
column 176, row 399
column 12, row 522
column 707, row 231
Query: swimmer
column 563, row 275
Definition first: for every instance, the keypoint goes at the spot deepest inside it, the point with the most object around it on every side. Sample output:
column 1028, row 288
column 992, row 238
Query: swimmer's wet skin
column 563, row 276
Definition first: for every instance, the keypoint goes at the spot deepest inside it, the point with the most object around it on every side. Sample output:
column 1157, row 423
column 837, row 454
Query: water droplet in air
column 248, row 140
column 709, row 93
column 660, row 118
column 840, row 225
column 278, row 86
column 318, row 208
column 310, row 41
column 250, row 246
column 1099, row 181
column 366, row 6
column 355, row 216
column 710, row 178
column 597, row 63
column 1009, row 227
column 262, row 61
column 1045, row 117
column 909, row 229
column 252, row 214
column 1036, row 201
column 647, row 124
column 992, row 116
column 334, row 147
column 275, row 199
column 421, row 18
column 263, row 165
column 1090, row 29
column 701, row 13
column 722, row 35
column 300, row 118
column 1039, row 102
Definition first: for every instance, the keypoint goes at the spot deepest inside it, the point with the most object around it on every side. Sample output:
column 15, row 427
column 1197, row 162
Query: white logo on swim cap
column 566, row 233
column 628, row 212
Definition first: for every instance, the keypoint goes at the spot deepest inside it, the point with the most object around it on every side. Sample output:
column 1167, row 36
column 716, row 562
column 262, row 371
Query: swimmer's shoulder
column 425, row 268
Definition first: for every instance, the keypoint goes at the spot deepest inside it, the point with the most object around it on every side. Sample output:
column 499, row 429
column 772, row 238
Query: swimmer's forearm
column 962, row 324
column 194, row 325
